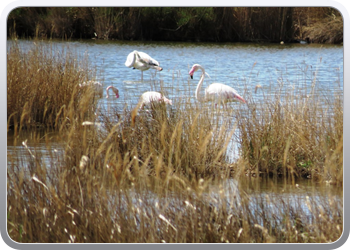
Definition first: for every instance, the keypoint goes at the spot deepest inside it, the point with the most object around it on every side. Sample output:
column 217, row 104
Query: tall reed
column 150, row 184
column 168, row 176
column 295, row 131
column 42, row 84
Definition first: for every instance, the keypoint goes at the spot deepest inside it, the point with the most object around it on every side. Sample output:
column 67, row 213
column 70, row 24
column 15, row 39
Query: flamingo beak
column 241, row 99
column 117, row 95
column 191, row 76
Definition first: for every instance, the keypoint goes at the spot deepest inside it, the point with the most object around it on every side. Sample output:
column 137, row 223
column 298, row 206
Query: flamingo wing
column 146, row 59
column 137, row 60
column 222, row 93
column 141, row 61
column 150, row 96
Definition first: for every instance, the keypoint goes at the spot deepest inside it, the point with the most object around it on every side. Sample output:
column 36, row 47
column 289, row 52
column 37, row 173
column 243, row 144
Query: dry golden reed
column 42, row 84
column 298, row 133
column 151, row 182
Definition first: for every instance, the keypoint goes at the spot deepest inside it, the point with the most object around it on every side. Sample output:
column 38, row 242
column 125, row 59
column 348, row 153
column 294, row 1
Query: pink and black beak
column 240, row 99
column 192, row 72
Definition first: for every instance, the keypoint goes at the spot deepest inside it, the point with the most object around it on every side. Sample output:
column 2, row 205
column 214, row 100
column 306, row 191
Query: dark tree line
column 215, row 24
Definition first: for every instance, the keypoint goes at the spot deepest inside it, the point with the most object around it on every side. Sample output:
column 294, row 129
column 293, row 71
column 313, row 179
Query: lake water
column 242, row 66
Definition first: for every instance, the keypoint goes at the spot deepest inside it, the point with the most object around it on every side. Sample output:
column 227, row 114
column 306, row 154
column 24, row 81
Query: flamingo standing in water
column 148, row 98
column 217, row 92
column 141, row 61
column 115, row 90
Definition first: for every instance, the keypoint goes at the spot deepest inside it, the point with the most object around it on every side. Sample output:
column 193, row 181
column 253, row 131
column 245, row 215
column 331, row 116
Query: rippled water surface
column 242, row 66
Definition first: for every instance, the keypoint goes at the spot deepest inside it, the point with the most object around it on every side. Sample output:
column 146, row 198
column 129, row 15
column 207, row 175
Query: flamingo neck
column 199, row 85
column 135, row 53
column 107, row 90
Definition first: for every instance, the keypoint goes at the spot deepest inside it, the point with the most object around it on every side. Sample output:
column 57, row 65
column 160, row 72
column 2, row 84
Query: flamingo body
column 217, row 92
column 141, row 61
column 151, row 96
column 148, row 98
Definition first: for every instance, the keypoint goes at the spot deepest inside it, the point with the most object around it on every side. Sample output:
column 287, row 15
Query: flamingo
column 93, row 85
column 115, row 90
column 141, row 61
column 147, row 98
column 218, row 92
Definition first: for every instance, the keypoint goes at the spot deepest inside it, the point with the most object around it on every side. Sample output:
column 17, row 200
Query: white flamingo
column 148, row 98
column 141, row 61
column 217, row 92
column 115, row 90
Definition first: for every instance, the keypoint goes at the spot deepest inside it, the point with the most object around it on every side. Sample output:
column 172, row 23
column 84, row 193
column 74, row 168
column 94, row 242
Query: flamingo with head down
column 217, row 92
column 141, row 61
column 148, row 98
column 115, row 90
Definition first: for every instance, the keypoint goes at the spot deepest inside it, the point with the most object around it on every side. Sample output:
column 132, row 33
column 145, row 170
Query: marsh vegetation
column 152, row 180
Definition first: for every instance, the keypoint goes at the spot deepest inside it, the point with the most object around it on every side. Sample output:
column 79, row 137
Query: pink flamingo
column 115, row 90
column 141, row 61
column 148, row 98
column 217, row 92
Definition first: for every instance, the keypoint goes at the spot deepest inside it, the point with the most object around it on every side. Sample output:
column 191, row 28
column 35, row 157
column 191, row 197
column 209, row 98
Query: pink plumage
column 217, row 92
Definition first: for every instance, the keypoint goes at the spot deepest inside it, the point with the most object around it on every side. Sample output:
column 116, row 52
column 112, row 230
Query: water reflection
column 263, row 198
column 44, row 145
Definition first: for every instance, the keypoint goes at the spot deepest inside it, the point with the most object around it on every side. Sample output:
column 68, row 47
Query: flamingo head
column 166, row 100
column 116, row 91
column 194, row 68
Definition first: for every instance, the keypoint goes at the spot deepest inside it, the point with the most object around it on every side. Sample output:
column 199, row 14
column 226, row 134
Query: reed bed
column 295, row 132
column 149, row 178
column 42, row 85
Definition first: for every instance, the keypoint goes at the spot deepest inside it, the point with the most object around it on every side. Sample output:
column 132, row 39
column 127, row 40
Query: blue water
column 242, row 66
